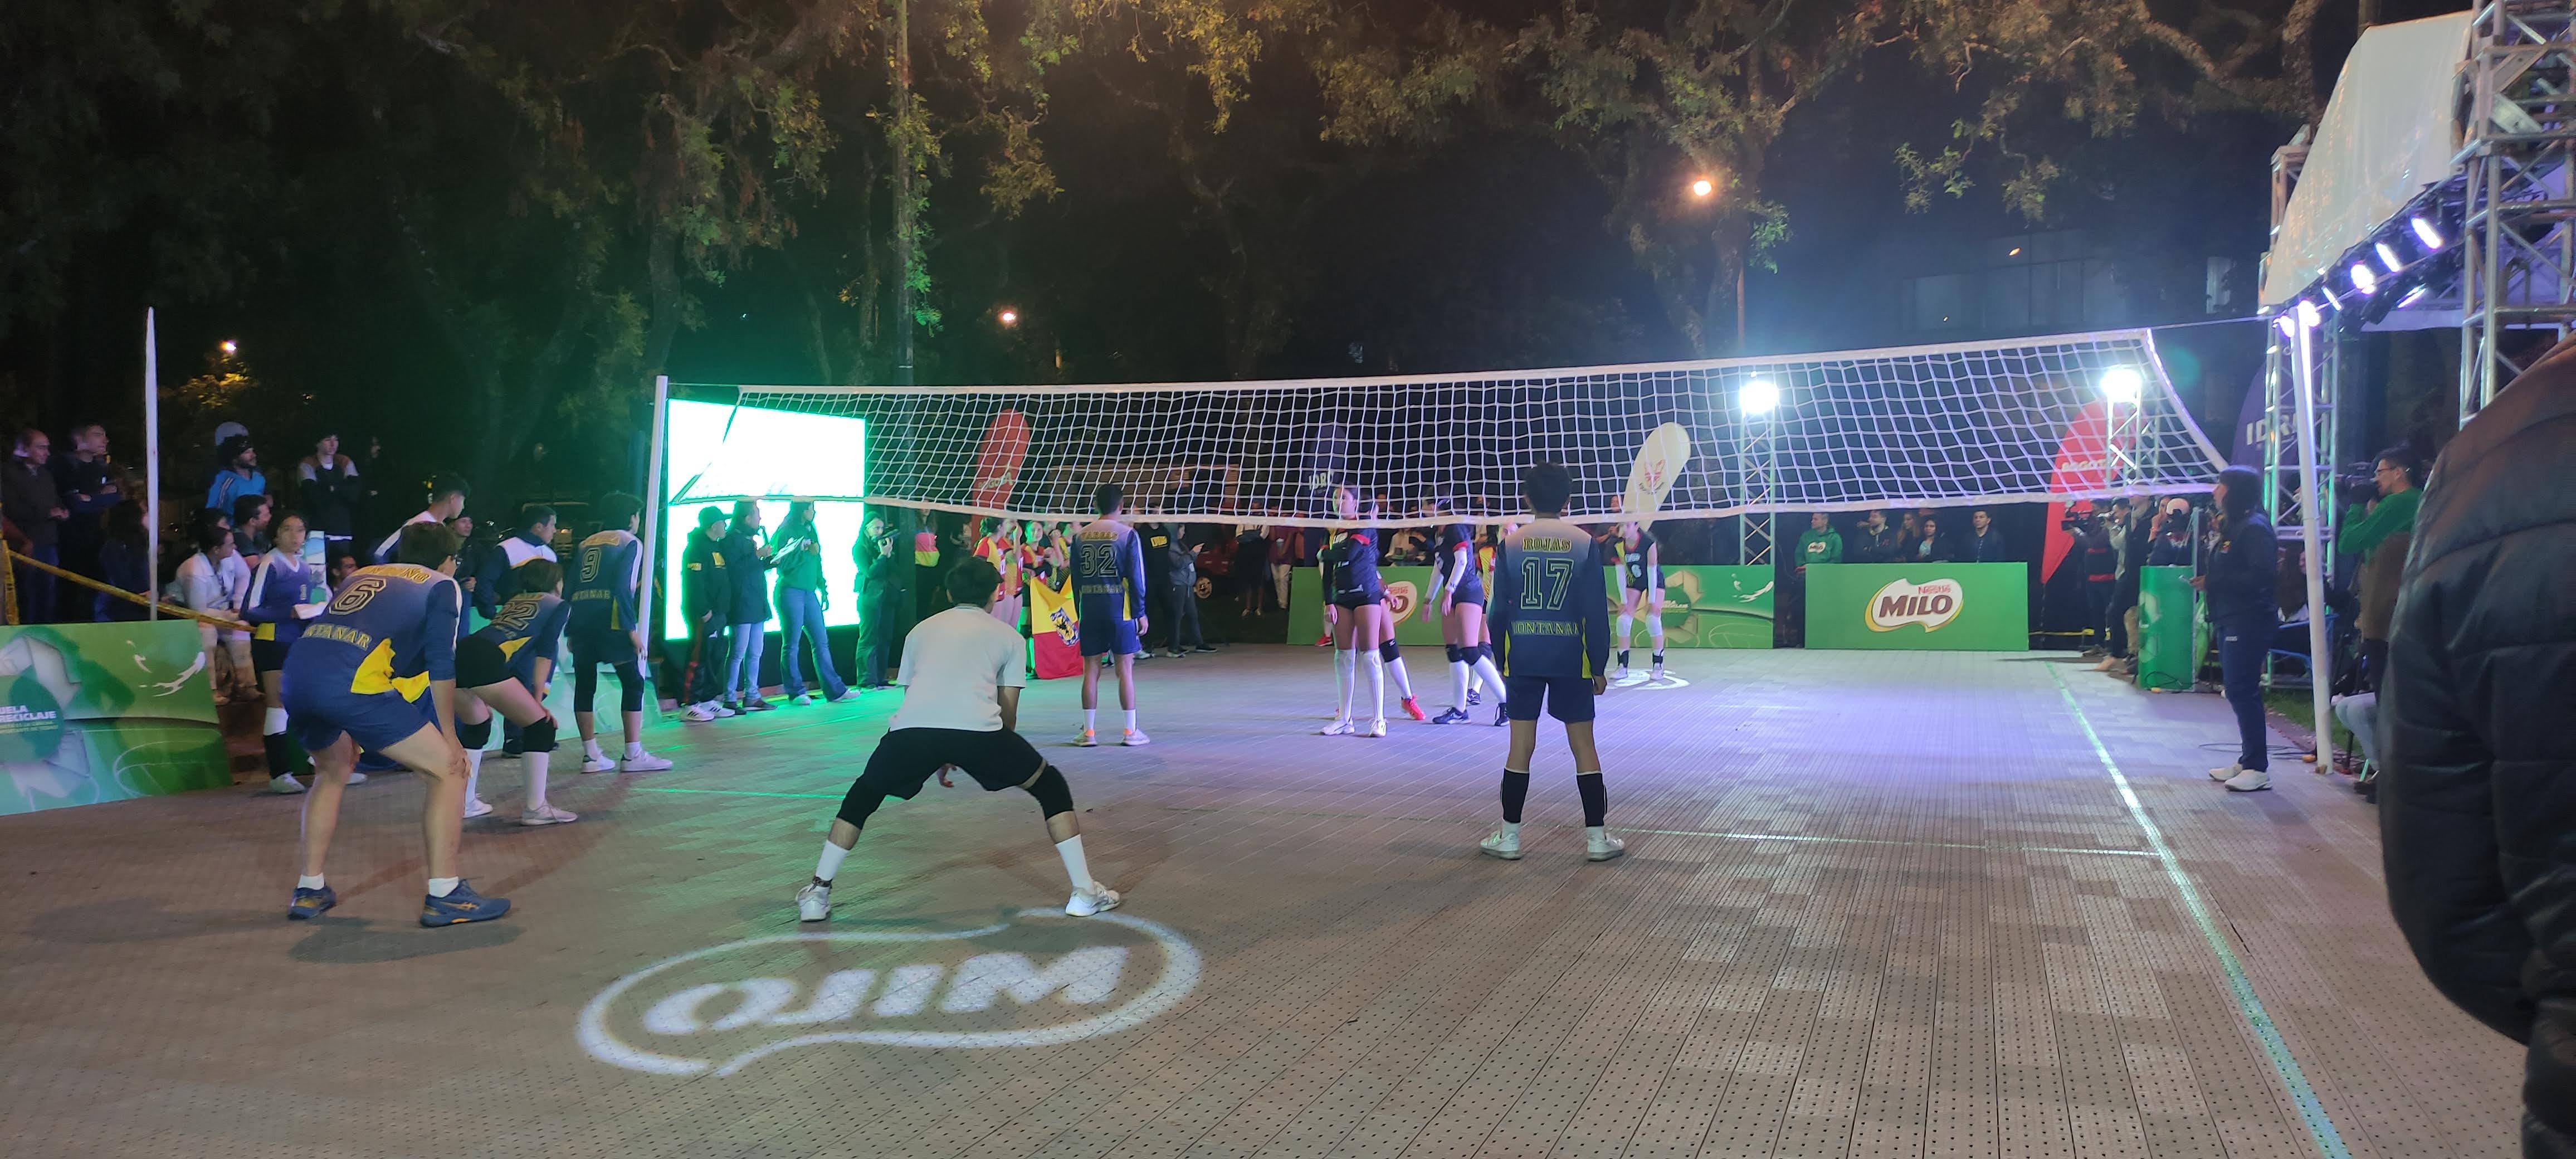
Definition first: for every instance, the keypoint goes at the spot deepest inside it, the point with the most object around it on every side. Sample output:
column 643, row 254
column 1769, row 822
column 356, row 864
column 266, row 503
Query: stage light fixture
column 2287, row 323
column 2123, row 385
column 2363, row 280
column 2413, row 296
column 2309, row 315
column 2427, row 232
column 2388, row 257
column 1759, row 397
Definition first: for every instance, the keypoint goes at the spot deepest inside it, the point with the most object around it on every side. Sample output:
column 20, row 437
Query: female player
column 1355, row 615
column 1001, row 548
column 502, row 668
column 283, row 594
column 1458, row 599
column 1641, row 575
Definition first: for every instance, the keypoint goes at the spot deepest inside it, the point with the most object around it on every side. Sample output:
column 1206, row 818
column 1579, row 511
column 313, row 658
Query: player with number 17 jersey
column 1550, row 614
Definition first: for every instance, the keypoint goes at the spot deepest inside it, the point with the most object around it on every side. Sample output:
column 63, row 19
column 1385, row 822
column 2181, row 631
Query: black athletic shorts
column 607, row 646
column 1568, row 698
column 906, row 758
column 268, row 656
column 480, row 664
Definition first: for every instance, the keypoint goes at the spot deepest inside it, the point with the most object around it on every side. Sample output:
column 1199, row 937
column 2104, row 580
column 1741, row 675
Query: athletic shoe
column 1173, row 654
column 1502, row 714
column 1452, row 716
column 1086, row 902
column 847, row 693
column 756, row 704
column 1413, row 708
column 284, row 783
column 644, row 763
column 357, row 778
column 1324, row 642
column 1377, row 727
column 723, row 708
column 1203, row 648
column 1474, row 698
column 2249, row 781
column 476, row 807
column 1619, row 673
column 1085, row 740
column 309, row 903
column 601, row 763
column 1658, row 674
column 813, row 903
column 1341, row 726
column 549, row 815
column 1136, row 738
column 696, row 714
column 1502, row 843
column 801, row 699
column 1602, row 848
column 461, row 905
column 2226, row 774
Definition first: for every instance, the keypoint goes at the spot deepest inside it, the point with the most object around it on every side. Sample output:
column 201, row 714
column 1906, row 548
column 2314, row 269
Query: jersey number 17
column 1543, row 584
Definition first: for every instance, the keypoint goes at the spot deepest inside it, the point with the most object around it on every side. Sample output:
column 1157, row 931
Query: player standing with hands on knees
column 961, row 704
column 1109, row 595
column 1551, row 625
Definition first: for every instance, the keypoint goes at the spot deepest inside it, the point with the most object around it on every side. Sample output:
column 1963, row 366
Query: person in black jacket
column 706, row 591
column 746, row 560
column 885, row 605
column 2243, row 611
column 1871, row 542
column 2477, row 789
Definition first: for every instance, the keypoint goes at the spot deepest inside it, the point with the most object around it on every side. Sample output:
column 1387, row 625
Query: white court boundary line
column 2329, row 1141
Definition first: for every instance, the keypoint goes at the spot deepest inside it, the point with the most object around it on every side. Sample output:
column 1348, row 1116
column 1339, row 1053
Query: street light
column 1703, row 187
column 1009, row 316
column 229, row 347
column 2123, row 385
column 1759, row 397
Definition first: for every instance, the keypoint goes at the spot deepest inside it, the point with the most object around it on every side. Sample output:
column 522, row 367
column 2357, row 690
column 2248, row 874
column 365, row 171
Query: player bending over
column 1641, row 574
column 1458, row 599
column 604, row 627
column 378, row 668
column 962, row 681
column 1109, row 597
column 1552, row 631
column 503, row 668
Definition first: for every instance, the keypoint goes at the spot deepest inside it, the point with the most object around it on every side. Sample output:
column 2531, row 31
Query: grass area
column 2292, row 704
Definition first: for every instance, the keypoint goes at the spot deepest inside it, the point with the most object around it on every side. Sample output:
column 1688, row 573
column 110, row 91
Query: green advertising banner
column 105, row 712
column 1963, row 607
column 1704, row 607
column 2168, row 629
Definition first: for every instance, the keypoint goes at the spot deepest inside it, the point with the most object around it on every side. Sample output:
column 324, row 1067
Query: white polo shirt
column 954, row 663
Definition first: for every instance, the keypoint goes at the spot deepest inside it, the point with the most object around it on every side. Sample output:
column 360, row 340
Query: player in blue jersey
column 606, row 626
column 503, row 668
column 1109, row 596
column 283, row 595
column 1457, row 600
column 1552, row 632
column 1355, row 615
column 1641, row 585
column 378, row 668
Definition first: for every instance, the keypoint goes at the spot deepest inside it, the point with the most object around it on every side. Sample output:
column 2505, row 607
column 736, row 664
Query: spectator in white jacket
column 207, row 584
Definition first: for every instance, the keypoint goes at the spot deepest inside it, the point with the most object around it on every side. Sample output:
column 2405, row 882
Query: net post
column 649, row 607
column 2320, row 661
column 151, row 460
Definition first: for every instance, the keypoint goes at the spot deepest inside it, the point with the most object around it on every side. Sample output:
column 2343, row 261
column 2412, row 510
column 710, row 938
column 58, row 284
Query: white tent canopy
column 2389, row 133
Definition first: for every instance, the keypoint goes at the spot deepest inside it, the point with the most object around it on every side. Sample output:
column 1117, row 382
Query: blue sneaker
column 461, row 905
column 309, row 903
column 1453, row 716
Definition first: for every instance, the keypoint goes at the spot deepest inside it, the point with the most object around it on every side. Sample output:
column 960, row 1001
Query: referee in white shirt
column 962, row 674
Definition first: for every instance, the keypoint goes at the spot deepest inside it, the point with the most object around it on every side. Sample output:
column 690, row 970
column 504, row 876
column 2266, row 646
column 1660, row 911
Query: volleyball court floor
column 1874, row 904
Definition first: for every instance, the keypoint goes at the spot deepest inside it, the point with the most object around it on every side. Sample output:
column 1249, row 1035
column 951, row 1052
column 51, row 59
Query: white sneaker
column 2249, row 781
column 1658, row 676
column 357, row 778
column 547, row 815
column 802, row 699
column 1377, row 727
column 1341, row 726
column 2226, row 774
column 1602, row 848
column 1136, row 737
column 697, row 714
column 598, row 763
column 846, row 693
column 1087, row 902
column 1619, row 673
column 477, row 807
column 1502, row 843
column 1085, row 740
column 722, row 709
column 283, row 783
column 643, row 763
column 813, row 903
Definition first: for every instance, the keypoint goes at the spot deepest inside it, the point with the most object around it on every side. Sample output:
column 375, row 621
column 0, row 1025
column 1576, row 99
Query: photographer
column 883, row 600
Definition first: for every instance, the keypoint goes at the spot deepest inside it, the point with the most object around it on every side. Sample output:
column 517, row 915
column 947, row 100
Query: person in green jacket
column 798, row 556
column 2377, row 537
column 1821, row 543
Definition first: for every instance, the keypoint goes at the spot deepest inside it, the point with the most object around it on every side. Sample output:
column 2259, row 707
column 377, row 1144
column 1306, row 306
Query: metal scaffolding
column 2518, row 138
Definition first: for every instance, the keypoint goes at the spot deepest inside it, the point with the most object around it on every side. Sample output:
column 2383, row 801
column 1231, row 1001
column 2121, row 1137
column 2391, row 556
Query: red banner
column 997, row 459
column 2083, row 465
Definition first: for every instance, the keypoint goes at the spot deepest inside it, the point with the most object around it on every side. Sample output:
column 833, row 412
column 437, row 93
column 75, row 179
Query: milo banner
column 1966, row 607
column 1704, row 607
column 105, row 712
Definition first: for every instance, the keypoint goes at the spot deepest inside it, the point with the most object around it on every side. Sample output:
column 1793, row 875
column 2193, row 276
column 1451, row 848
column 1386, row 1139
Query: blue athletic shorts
column 1113, row 634
column 1568, row 698
column 319, row 715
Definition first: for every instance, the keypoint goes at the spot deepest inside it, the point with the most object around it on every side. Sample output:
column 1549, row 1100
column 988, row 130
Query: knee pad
column 474, row 736
column 1388, row 651
column 272, row 722
column 1458, row 655
column 538, row 737
column 1054, row 796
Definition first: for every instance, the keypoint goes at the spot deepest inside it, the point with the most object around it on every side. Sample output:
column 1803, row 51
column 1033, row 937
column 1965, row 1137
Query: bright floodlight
column 1703, row 187
column 229, row 346
column 2426, row 232
column 1759, row 397
column 2308, row 315
column 2413, row 296
column 2363, row 280
column 2123, row 385
column 2388, row 257
column 1009, row 316
column 2288, row 325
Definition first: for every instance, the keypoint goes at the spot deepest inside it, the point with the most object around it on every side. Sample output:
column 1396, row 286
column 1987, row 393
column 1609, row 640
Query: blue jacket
column 2241, row 573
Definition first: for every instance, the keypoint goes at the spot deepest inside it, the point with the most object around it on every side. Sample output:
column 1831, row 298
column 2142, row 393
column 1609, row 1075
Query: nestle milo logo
column 1901, row 602
column 1037, row 980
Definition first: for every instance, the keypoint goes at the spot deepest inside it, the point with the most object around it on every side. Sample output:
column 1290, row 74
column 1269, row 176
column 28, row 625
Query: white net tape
column 2057, row 418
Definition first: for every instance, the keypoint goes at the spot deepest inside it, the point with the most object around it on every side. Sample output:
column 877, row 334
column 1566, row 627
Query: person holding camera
column 882, row 601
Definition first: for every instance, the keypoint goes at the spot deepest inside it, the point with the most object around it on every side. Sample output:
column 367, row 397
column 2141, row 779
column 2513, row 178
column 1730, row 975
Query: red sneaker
column 1413, row 710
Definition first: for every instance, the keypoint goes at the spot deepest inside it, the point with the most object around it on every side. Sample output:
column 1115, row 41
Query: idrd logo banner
column 1038, row 979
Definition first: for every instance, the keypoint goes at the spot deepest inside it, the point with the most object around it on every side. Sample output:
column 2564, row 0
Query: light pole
column 1756, row 400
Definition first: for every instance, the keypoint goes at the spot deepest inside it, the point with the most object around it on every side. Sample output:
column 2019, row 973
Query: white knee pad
column 272, row 722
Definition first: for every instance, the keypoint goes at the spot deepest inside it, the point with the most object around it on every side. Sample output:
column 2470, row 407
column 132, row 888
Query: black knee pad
column 630, row 687
column 538, row 737
column 1458, row 655
column 1388, row 651
column 1054, row 796
column 474, row 736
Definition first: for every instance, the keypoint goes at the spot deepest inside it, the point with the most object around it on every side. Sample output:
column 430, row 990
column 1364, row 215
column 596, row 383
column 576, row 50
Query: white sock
column 1511, row 828
column 312, row 881
column 1131, row 719
column 1090, row 719
column 1376, row 685
column 272, row 722
column 1458, row 672
column 1070, row 849
column 443, row 886
column 635, row 749
column 535, row 763
column 473, row 772
column 1491, row 677
column 1345, row 663
column 828, row 866
column 1627, row 627
column 590, row 750
column 1403, row 683
column 1593, row 834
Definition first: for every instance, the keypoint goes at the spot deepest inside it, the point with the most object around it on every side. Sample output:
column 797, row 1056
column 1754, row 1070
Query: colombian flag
column 1055, row 630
